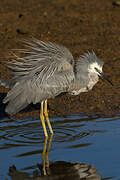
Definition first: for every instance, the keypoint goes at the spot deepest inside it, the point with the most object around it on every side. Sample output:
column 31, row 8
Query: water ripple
column 75, row 137
column 26, row 132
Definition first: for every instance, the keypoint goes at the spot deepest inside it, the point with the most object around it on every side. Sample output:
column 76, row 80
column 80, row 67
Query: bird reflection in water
column 46, row 149
column 59, row 170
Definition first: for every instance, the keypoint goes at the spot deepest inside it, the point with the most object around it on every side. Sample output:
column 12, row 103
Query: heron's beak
column 104, row 76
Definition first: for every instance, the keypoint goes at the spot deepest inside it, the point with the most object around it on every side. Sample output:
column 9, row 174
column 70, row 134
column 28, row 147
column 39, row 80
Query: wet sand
column 79, row 25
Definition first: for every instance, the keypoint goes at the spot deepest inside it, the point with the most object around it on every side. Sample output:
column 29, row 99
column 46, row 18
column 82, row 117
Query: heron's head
column 95, row 65
column 90, row 63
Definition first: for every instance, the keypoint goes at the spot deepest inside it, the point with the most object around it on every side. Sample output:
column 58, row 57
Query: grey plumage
column 45, row 71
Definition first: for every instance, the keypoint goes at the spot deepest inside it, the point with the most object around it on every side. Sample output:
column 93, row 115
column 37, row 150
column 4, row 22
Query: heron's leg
column 45, row 152
column 48, row 149
column 46, row 116
column 43, row 120
column 43, row 156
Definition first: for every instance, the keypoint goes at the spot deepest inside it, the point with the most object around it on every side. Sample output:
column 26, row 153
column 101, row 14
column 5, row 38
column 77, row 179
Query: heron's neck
column 93, row 79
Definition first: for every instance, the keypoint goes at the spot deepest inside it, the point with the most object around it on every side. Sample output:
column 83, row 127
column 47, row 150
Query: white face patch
column 92, row 67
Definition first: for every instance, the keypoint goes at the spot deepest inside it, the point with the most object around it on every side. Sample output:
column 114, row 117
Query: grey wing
column 32, row 91
column 39, row 77
column 42, row 59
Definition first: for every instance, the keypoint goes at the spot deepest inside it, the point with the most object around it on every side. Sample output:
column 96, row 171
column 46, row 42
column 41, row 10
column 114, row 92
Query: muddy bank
column 80, row 26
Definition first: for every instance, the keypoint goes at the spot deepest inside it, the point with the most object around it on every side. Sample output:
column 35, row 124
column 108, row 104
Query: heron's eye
column 97, row 70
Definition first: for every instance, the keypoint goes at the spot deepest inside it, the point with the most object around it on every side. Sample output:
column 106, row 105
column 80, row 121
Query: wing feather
column 41, row 58
column 44, row 72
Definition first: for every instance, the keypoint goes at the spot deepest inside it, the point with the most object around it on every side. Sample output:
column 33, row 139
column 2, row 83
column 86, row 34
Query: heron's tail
column 16, row 99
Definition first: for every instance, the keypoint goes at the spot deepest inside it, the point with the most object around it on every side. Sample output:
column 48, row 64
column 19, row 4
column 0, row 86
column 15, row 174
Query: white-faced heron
column 45, row 71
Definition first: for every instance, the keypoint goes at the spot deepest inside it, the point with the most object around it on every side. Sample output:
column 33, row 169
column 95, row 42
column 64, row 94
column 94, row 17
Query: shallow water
column 90, row 140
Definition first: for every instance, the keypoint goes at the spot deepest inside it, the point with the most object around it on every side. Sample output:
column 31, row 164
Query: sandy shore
column 80, row 26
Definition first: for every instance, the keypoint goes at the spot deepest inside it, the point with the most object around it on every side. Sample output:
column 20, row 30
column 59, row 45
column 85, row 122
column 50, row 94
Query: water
column 90, row 140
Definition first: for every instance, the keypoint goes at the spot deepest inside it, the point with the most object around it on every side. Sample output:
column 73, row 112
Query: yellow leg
column 48, row 149
column 45, row 153
column 43, row 156
column 46, row 116
column 43, row 120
